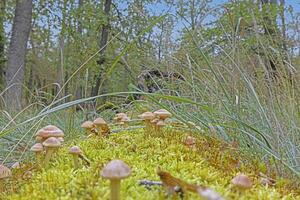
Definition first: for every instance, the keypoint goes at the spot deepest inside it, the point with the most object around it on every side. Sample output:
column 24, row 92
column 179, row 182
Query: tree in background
column 16, row 54
column 2, row 40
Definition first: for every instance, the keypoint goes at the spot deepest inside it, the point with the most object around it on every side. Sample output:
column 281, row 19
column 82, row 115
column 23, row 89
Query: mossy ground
column 213, row 164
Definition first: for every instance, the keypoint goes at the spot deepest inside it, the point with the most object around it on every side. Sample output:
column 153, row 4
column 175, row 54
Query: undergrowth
column 212, row 163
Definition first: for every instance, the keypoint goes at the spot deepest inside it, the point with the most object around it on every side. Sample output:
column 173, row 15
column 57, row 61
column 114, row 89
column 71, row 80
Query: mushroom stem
column 38, row 156
column 115, row 186
column 76, row 161
column 49, row 152
column 1, row 186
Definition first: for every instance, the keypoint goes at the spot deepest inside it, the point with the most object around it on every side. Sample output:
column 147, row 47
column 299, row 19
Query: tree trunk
column 2, row 41
column 17, row 54
column 103, row 41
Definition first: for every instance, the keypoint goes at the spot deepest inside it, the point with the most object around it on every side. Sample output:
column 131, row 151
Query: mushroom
column 51, row 145
column 16, row 165
column 159, row 125
column 242, row 182
column 101, row 126
column 4, row 174
column 49, row 131
column 162, row 114
column 190, row 142
column 88, row 126
column 119, row 117
column 209, row 194
column 115, row 171
column 147, row 117
column 38, row 149
column 125, row 121
column 75, row 151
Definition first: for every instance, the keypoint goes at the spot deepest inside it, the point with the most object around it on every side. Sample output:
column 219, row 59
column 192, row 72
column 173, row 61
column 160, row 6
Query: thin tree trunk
column 79, row 87
column 17, row 54
column 2, row 41
column 103, row 42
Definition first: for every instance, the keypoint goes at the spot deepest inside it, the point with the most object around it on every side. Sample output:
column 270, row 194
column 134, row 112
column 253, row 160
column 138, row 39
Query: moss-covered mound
column 211, row 164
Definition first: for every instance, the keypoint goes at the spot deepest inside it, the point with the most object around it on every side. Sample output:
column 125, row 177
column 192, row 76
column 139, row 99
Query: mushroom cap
column 147, row 116
column 125, row 119
column 16, row 165
column 52, row 142
column 190, row 140
column 162, row 114
column 50, row 131
column 120, row 115
column 87, row 125
column 37, row 147
column 75, row 150
column 99, row 121
column 116, row 169
column 242, row 181
column 4, row 172
column 160, row 123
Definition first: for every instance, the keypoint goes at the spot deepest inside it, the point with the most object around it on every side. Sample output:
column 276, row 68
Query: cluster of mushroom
column 49, row 139
column 97, row 127
column 155, row 119
column 122, row 119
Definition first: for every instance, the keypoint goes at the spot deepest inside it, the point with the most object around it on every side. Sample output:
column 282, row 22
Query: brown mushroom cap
column 162, row 114
column 99, row 121
column 120, row 115
column 52, row 142
column 125, row 119
column 147, row 116
column 242, row 181
column 190, row 140
column 4, row 172
column 75, row 150
column 87, row 125
column 116, row 169
column 50, row 131
column 37, row 147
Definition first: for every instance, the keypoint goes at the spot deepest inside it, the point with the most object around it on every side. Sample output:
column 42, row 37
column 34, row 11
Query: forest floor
column 209, row 163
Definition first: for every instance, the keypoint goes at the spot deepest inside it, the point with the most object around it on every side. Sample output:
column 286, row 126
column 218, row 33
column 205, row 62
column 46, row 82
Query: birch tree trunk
column 17, row 53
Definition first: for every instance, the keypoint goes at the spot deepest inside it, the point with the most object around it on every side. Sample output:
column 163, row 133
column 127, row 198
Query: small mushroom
column 101, row 125
column 75, row 151
column 125, row 121
column 88, row 126
column 162, row 114
column 16, row 165
column 190, row 142
column 147, row 117
column 4, row 174
column 38, row 149
column 51, row 145
column 159, row 125
column 115, row 171
column 209, row 194
column 242, row 182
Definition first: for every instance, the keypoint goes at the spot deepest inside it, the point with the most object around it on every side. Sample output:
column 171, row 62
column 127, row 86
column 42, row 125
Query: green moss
column 144, row 153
